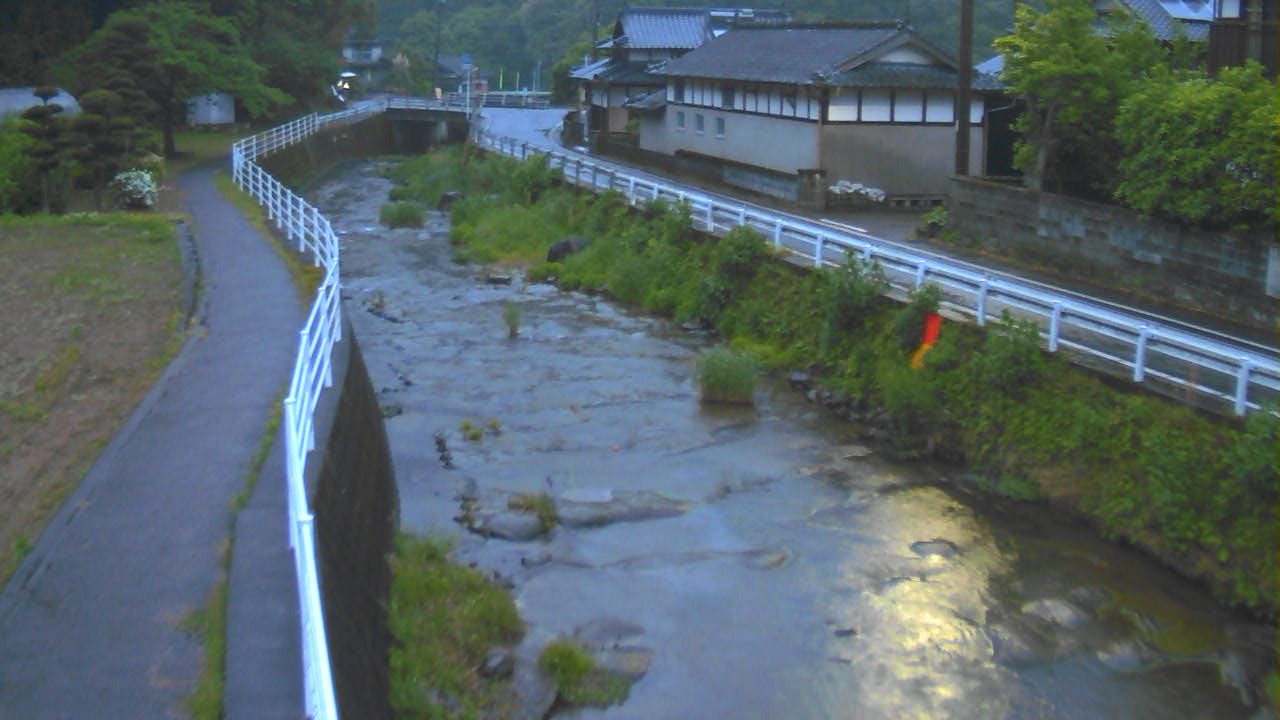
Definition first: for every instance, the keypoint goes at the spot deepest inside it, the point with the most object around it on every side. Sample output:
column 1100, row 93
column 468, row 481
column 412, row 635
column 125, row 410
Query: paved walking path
column 89, row 625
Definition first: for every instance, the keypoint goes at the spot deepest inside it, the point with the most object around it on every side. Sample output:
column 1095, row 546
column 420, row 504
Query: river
column 762, row 563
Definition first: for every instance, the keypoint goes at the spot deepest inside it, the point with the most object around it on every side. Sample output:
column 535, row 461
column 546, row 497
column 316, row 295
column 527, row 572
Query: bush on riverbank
column 1198, row 492
column 726, row 376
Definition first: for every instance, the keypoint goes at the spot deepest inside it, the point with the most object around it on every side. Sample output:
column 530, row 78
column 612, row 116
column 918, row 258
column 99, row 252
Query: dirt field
column 91, row 316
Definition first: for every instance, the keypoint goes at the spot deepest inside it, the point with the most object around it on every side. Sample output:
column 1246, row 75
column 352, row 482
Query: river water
column 763, row 562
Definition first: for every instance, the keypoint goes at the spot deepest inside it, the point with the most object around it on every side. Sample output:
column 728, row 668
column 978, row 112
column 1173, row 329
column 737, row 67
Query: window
column 680, row 121
column 726, row 97
column 843, row 107
column 908, row 106
column 876, row 106
column 697, row 123
column 679, row 90
column 720, row 127
column 939, row 107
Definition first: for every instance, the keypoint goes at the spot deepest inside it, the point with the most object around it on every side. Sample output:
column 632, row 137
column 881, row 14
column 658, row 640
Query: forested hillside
column 515, row 35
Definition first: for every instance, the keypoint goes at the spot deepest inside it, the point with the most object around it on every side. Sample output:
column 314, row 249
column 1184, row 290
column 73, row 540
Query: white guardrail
column 1247, row 378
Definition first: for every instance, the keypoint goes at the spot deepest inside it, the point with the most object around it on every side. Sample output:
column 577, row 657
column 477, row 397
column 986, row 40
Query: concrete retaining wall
column 1231, row 275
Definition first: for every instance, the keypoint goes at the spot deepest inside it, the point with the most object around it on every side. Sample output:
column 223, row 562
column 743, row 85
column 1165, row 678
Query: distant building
column 772, row 106
column 1166, row 18
column 16, row 100
column 453, row 70
column 618, row 82
column 1244, row 30
column 361, row 49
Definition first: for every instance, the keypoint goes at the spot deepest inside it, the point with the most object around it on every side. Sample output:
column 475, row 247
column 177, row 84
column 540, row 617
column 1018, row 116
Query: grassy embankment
column 1198, row 492
column 92, row 316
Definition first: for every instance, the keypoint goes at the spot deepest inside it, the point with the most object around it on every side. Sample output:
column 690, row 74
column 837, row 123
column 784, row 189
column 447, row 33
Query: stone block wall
column 1235, row 275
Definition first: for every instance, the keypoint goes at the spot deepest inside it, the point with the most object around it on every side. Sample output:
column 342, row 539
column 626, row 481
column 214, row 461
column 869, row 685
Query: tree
column 1072, row 78
column 101, row 139
column 45, row 131
column 1202, row 150
column 15, row 167
column 187, row 52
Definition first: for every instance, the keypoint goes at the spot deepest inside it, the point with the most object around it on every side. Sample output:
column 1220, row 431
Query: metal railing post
column 1242, row 386
column 1055, row 323
column 982, row 301
column 1140, row 354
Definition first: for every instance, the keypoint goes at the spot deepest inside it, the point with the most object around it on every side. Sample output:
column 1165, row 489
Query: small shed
column 16, row 100
column 215, row 108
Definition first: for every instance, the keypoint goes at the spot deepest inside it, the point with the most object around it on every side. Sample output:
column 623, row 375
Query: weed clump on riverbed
column 444, row 620
column 726, row 376
column 578, row 678
column 401, row 214
column 1199, row 492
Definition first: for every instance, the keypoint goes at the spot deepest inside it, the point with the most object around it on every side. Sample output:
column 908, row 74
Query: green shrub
column 538, row 504
column 907, row 325
column 444, row 620
column 543, row 272
column 726, row 376
column 850, row 294
column 511, row 317
column 1011, row 355
column 401, row 193
column 401, row 214
column 578, row 679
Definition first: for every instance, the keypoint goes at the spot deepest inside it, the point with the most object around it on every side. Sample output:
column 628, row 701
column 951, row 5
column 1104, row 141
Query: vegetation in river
column 444, row 620
column 539, row 505
column 726, row 376
column 579, row 679
column 1199, row 492
column 403, row 213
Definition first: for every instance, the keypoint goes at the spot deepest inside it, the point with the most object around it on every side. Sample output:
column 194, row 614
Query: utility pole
column 965, row 78
column 435, row 68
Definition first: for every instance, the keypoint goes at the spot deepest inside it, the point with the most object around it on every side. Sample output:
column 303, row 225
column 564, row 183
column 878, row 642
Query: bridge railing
column 312, row 373
column 1143, row 348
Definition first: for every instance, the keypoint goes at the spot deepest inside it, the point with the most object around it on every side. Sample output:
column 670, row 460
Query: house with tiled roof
column 866, row 103
column 620, row 79
column 1167, row 19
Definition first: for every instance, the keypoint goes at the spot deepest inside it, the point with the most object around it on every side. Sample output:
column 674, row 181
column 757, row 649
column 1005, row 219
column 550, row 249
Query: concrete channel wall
column 352, row 489
column 1232, row 274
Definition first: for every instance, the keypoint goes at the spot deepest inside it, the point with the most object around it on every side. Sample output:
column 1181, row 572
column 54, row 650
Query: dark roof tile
column 792, row 54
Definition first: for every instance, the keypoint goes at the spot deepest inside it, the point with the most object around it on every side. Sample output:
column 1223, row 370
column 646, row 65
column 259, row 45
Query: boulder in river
column 566, row 247
column 448, row 200
column 575, row 510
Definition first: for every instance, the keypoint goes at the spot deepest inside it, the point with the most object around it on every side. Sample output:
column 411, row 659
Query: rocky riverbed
column 743, row 562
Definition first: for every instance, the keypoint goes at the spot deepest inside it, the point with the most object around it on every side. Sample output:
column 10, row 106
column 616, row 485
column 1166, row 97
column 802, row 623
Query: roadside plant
column 907, row 324
column 850, row 294
column 133, row 190
column 726, row 376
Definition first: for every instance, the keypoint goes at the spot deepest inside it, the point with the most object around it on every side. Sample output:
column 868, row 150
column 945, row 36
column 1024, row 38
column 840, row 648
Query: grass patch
column 260, row 457
column 579, row 681
column 537, row 504
column 209, row 623
column 726, row 376
column 444, row 620
column 404, row 213
column 306, row 275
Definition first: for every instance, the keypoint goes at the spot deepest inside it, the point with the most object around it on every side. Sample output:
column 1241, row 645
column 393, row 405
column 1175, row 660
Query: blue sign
column 466, row 61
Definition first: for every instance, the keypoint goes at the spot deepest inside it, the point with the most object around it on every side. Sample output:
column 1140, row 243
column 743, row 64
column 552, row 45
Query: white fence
column 1148, row 348
column 311, row 373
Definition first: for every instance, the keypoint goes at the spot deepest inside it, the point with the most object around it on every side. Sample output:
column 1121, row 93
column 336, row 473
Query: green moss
column 539, row 504
column 444, row 619
column 578, row 679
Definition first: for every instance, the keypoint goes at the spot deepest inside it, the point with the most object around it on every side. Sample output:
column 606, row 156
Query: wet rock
column 1091, row 598
column 800, row 380
column 506, row 525
column 622, row 506
column 629, row 661
column 470, row 491
column 447, row 200
column 838, row 400
column 587, row 495
column 535, row 560
column 535, row 693
column 852, row 452
column 814, row 395
column 499, row 664
column 1057, row 611
column 1128, row 655
column 566, row 247
column 605, row 632
column 1018, row 645
column 497, row 279
column 766, row 559
column 390, row 411
column 846, row 632
column 937, row 546
column 693, row 326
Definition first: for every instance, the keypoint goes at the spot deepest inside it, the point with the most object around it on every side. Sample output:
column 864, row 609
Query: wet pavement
column 755, row 563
